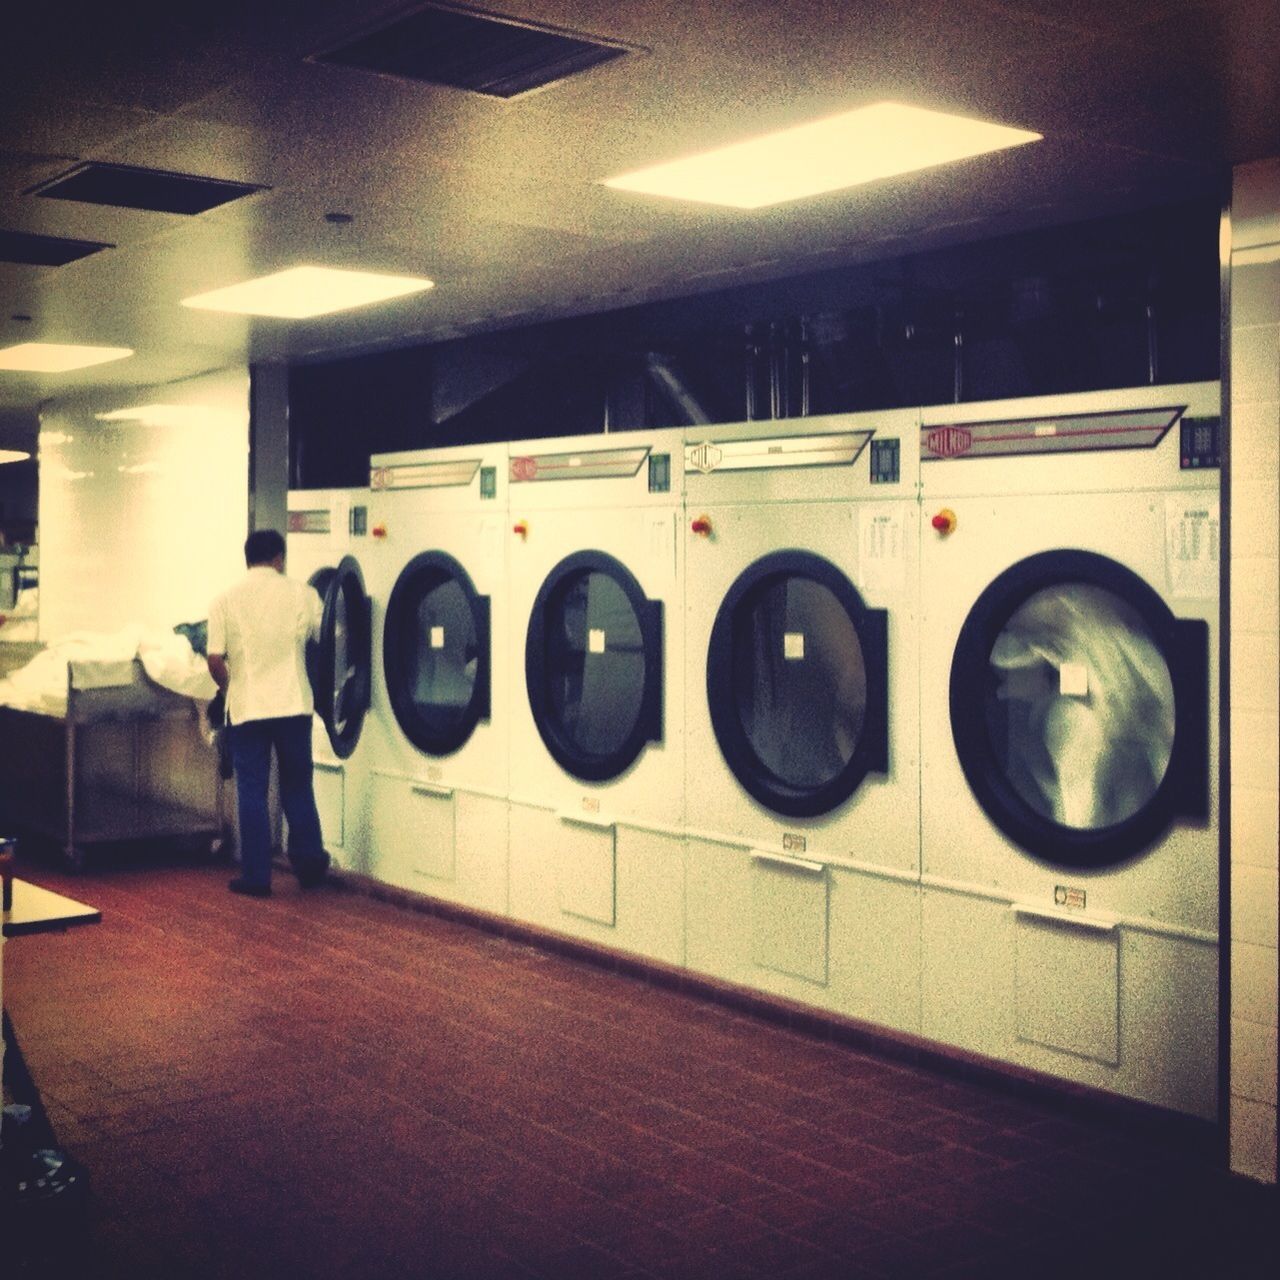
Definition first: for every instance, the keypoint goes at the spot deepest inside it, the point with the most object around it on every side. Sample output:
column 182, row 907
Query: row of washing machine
column 908, row 716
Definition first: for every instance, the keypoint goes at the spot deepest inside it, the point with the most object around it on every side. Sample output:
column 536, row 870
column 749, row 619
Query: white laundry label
column 437, row 637
column 1192, row 529
column 793, row 645
column 595, row 640
column 882, row 562
column 1073, row 680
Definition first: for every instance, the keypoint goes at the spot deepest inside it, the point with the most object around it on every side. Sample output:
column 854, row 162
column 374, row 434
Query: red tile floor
column 325, row 1085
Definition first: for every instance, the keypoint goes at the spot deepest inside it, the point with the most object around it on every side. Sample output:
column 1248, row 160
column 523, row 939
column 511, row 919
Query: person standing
column 258, row 633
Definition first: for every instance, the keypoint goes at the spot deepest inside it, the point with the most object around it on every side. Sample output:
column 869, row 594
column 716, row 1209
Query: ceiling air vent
column 44, row 251
column 127, row 187
column 498, row 56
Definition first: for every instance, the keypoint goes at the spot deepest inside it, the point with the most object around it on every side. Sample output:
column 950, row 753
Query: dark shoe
column 311, row 874
column 249, row 888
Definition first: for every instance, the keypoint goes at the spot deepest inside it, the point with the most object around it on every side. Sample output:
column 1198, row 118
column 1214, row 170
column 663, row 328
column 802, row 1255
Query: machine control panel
column 1201, row 443
column 659, row 473
column 885, row 465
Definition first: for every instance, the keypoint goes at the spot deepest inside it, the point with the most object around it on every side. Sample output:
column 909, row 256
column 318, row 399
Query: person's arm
column 218, row 670
column 216, row 646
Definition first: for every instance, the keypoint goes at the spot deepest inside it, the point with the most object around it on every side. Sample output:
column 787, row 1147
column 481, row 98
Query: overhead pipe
column 752, row 354
column 1153, row 346
column 805, row 371
column 775, row 368
column 959, row 356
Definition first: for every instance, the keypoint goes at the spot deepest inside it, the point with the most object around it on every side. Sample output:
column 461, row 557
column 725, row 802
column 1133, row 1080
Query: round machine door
column 339, row 662
column 593, row 666
column 436, row 653
column 797, row 684
column 1079, row 709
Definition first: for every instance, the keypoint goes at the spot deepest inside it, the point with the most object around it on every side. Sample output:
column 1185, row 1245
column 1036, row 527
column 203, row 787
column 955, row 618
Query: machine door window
column 1079, row 708
column 339, row 663
column 436, row 653
column 797, row 677
column 593, row 666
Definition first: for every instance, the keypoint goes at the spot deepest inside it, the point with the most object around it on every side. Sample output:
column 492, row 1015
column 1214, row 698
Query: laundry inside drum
column 799, row 680
column 1080, row 706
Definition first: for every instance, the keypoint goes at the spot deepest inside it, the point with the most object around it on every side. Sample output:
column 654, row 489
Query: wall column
column 268, row 445
column 1254, row 585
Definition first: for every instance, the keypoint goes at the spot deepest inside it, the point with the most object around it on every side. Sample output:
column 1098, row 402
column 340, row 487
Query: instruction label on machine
column 1192, row 542
column 882, row 558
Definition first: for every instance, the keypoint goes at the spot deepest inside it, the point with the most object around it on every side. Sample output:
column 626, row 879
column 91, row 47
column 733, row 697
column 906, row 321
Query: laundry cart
column 121, row 760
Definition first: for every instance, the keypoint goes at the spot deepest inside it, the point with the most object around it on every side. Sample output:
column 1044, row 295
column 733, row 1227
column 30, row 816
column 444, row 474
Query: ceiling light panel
column 302, row 292
column 846, row 150
column 57, row 357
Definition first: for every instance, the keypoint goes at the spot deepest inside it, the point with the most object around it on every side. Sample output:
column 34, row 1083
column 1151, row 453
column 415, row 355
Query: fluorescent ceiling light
column 13, row 455
column 302, row 292
column 878, row 141
column 57, row 357
column 176, row 415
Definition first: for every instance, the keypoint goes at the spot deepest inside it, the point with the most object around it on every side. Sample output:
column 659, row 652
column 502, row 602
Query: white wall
column 1255, row 663
column 142, row 518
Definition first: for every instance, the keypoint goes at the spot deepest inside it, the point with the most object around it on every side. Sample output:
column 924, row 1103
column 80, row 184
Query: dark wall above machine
column 1112, row 302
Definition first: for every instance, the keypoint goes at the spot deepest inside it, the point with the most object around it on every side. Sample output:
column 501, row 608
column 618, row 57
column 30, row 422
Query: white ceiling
column 499, row 201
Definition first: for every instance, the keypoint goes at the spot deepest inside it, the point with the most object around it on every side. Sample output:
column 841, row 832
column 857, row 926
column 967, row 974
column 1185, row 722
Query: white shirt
column 261, row 625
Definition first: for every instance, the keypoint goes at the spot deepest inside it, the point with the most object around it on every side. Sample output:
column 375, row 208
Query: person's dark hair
column 262, row 546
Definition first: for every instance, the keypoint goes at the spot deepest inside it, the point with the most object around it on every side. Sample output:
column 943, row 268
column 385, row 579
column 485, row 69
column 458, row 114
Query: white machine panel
column 438, row 518
column 1068, row 682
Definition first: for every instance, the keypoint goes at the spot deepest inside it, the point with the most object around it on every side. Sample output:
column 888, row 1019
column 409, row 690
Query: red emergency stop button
column 520, row 528
column 944, row 521
column 378, row 531
column 702, row 525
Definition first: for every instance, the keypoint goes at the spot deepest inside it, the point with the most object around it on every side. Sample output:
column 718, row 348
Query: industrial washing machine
column 594, row 646
column 1069, row 664
column 326, row 544
column 438, row 778
column 802, row 789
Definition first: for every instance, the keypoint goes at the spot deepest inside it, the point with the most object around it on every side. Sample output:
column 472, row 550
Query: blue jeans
column 251, row 746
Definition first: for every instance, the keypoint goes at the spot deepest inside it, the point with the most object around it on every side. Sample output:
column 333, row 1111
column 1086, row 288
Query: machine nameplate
column 594, row 464
column 308, row 521
column 1065, row 896
column 1068, row 433
column 838, row 449
column 425, row 475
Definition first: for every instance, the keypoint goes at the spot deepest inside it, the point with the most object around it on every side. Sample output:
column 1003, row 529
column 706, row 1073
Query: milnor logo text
column 524, row 468
column 704, row 458
column 949, row 442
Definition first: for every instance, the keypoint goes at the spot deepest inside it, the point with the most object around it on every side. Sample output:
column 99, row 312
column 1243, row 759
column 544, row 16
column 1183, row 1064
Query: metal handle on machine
column 792, row 864
column 432, row 789
column 1095, row 923
column 329, row 766
column 595, row 821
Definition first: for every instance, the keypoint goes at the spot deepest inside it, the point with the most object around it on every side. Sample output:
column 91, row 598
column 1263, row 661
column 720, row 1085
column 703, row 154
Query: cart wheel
column 73, row 859
column 219, row 850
